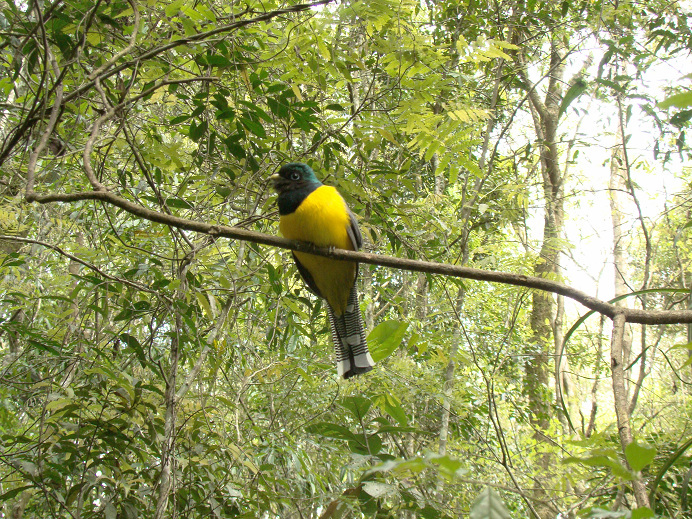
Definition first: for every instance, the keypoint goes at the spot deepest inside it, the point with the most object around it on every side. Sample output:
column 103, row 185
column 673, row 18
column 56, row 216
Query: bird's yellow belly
column 323, row 219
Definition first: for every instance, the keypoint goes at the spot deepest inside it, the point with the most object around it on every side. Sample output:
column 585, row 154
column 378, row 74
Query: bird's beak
column 275, row 180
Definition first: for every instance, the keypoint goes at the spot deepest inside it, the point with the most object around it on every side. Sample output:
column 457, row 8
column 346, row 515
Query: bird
column 312, row 212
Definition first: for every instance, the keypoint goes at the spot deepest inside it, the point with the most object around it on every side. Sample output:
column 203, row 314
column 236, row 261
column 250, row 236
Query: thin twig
column 72, row 257
column 130, row 46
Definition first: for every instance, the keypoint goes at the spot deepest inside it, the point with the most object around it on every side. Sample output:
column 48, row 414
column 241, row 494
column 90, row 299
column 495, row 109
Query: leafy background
column 149, row 371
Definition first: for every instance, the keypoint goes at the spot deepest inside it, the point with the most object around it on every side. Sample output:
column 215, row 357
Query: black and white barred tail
column 352, row 355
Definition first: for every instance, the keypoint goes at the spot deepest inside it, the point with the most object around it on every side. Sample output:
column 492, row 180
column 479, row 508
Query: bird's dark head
column 294, row 176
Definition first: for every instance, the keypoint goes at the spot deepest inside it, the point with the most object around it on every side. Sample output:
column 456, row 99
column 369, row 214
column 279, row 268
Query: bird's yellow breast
column 323, row 219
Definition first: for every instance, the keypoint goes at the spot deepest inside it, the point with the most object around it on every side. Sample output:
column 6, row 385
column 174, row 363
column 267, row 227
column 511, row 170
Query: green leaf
column 373, row 446
column 278, row 107
column 565, row 8
column 303, row 120
column 219, row 61
column 253, row 127
column 387, row 135
column 197, row 131
column 173, row 8
column 572, row 93
column 385, row 338
column 447, row 466
column 134, row 344
column 392, row 406
column 639, row 456
column 41, row 345
column 377, row 489
column 123, row 315
column 682, row 100
column 178, row 203
column 12, row 493
column 399, row 430
column 401, row 466
column 642, row 513
column 358, row 405
column 331, row 430
column 488, row 505
column 604, row 459
column 681, row 118
column 110, row 512
column 235, row 149
column 227, row 114
column 257, row 111
column 179, row 119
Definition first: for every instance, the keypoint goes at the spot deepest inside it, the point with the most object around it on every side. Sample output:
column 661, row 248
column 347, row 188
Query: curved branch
column 632, row 315
column 130, row 45
column 52, row 121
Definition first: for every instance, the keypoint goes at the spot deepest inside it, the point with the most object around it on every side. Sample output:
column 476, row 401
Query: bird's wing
column 354, row 231
column 355, row 235
column 307, row 277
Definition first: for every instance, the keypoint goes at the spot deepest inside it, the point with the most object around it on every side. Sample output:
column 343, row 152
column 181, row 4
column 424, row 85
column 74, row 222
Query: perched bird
column 312, row 212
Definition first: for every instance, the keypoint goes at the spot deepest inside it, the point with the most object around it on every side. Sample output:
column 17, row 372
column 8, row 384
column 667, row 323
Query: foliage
column 149, row 371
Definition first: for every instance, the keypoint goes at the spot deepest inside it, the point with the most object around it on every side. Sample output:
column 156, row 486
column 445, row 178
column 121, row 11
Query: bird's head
column 294, row 176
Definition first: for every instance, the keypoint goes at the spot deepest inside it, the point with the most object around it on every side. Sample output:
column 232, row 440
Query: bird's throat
column 289, row 201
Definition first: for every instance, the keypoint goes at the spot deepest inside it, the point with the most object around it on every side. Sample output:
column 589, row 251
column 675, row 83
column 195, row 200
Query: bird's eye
column 294, row 176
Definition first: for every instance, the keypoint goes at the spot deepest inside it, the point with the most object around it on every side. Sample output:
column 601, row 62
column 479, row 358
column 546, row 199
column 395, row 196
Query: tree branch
column 632, row 315
column 72, row 257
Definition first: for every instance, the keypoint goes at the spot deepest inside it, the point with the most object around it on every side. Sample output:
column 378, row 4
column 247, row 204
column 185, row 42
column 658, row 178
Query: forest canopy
column 522, row 180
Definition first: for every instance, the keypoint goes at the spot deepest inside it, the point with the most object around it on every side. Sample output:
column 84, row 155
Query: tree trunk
column 618, row 193
column 620, row 399
column 541, row 350
column 167, row 474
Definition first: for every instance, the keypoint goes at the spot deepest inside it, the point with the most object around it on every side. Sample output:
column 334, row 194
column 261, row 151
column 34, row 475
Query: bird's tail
column 352, row 355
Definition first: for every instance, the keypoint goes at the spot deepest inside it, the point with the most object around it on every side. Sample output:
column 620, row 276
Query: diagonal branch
column 90, row 266
column 52, row 121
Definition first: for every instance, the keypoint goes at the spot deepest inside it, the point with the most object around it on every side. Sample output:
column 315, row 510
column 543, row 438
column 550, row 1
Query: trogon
column 312, row 212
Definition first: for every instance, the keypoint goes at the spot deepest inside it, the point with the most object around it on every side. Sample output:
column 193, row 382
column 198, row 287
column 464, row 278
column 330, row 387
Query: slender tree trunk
column 449, row 375
column 537, row 384
column 74, row 329
column 618, row 193
column 448, row 383
column 166, row 476
column 591, row 427
column 621, row 401
column 421, row 298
